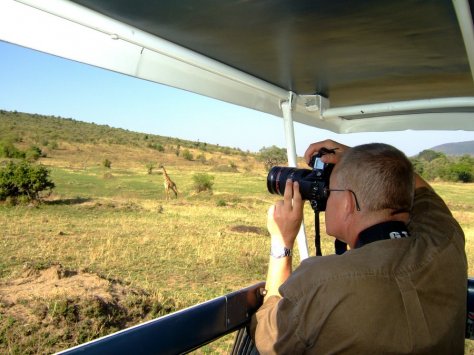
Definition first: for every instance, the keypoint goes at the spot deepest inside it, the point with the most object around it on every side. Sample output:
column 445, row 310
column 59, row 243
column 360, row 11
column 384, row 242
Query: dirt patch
column 248, row 229
column 57, row 282
column 43, row 311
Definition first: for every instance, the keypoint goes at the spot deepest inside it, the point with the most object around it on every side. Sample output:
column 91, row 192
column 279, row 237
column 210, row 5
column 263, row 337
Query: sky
column 34, row 82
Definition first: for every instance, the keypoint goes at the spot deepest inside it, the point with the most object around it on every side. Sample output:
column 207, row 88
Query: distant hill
column 42, row 130
column 460, row 148
column 65, row 142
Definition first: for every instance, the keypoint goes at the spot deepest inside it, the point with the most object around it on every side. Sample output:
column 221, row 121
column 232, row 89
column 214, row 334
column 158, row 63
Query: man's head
column 379, row 176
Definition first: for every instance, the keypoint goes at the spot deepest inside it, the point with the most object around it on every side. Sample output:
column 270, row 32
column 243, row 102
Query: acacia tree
column 272, row 156
column 23, row 180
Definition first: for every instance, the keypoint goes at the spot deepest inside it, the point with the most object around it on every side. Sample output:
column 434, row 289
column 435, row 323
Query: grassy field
column 117, row 224
column 135, row 254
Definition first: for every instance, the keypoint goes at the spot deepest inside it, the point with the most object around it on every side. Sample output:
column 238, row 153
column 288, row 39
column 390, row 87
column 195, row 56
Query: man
column 401, row 288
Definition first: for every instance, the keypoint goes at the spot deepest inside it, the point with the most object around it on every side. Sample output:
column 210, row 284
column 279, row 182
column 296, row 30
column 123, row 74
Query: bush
column 187, row 154
column 34, row 153
column 203, row 182
column 8, row 150
column 202, row 158
column 156, row 146
column 19, row 181
column 461, row 172
column 107, row 163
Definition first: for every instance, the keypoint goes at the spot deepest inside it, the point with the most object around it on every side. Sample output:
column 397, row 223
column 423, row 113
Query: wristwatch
column 278, row 251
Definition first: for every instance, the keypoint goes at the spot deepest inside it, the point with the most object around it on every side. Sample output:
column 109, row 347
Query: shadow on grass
column 69, row 201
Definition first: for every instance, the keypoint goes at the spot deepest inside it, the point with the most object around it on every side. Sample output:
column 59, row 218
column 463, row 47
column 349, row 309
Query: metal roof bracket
column 315, row 103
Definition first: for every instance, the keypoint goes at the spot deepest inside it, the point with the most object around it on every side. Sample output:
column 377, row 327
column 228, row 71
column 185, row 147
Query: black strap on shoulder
column 382, row 231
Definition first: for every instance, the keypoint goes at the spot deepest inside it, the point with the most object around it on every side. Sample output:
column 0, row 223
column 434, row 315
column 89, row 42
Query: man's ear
column 348, row 204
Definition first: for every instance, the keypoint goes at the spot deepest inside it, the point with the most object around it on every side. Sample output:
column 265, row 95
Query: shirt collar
column 382, row 231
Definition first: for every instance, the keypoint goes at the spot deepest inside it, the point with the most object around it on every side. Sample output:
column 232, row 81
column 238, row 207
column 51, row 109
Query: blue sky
column 35, row 82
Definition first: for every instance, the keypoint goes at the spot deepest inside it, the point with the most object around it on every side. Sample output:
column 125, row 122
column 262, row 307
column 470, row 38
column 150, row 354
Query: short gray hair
column 380, row 175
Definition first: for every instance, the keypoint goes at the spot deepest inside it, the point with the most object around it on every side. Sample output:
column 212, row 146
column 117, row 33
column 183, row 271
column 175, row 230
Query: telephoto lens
column 276, row 179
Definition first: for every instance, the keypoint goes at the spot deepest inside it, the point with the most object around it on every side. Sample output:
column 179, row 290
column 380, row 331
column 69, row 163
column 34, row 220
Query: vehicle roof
column 343, row 63
column 352, row 52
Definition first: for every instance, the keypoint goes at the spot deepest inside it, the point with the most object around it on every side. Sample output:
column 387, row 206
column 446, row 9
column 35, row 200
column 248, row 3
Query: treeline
column 432, row 165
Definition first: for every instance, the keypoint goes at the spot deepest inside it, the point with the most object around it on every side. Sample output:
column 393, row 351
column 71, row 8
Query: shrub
column 53, row 145
column 461, row 172
column 107, row 163
column 8, row 150
column 156, row 146
column 24, row 181
column 203, row 182
column 202, row 158
column 187, row 154
column 34, row 153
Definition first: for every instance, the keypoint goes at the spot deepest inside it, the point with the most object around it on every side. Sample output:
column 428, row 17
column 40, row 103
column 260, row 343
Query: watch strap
column 279, row 251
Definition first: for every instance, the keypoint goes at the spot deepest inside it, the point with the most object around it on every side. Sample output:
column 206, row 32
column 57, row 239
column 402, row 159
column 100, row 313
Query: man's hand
column 285, row 217
column 328, row 144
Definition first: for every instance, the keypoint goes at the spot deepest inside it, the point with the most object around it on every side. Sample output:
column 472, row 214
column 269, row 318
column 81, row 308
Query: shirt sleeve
column 432, row 219
column 273, row 328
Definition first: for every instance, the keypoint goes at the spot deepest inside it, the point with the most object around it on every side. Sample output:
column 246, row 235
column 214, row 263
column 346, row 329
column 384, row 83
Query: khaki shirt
column 403, row 296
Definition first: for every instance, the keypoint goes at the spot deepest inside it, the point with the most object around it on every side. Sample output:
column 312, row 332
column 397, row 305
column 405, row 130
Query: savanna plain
column 107, row 249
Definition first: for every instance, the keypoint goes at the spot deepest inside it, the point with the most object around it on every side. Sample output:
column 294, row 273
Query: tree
column 418, row 166
column 24, row 180
column 149, row 167
column 272, row 156
column 437, row 168
column 430, row 155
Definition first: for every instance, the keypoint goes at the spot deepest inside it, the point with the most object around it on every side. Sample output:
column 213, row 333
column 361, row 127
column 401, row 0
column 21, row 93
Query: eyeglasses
column 352, row 192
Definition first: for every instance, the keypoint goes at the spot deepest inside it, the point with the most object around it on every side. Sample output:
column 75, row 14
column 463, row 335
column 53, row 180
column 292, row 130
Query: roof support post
column 286, row 107
column 463, row 13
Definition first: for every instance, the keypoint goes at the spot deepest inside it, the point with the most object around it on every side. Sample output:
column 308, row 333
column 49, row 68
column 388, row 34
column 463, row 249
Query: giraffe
column 169, row 184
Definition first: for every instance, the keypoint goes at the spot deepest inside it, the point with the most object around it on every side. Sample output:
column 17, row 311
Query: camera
column 313, row 183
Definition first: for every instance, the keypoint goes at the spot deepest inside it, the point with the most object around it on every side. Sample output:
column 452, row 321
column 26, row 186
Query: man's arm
column 285, row 217
column 420, row 182
column 283, row 222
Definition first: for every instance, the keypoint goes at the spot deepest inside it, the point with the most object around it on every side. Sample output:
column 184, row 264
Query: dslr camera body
column 314, row 183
